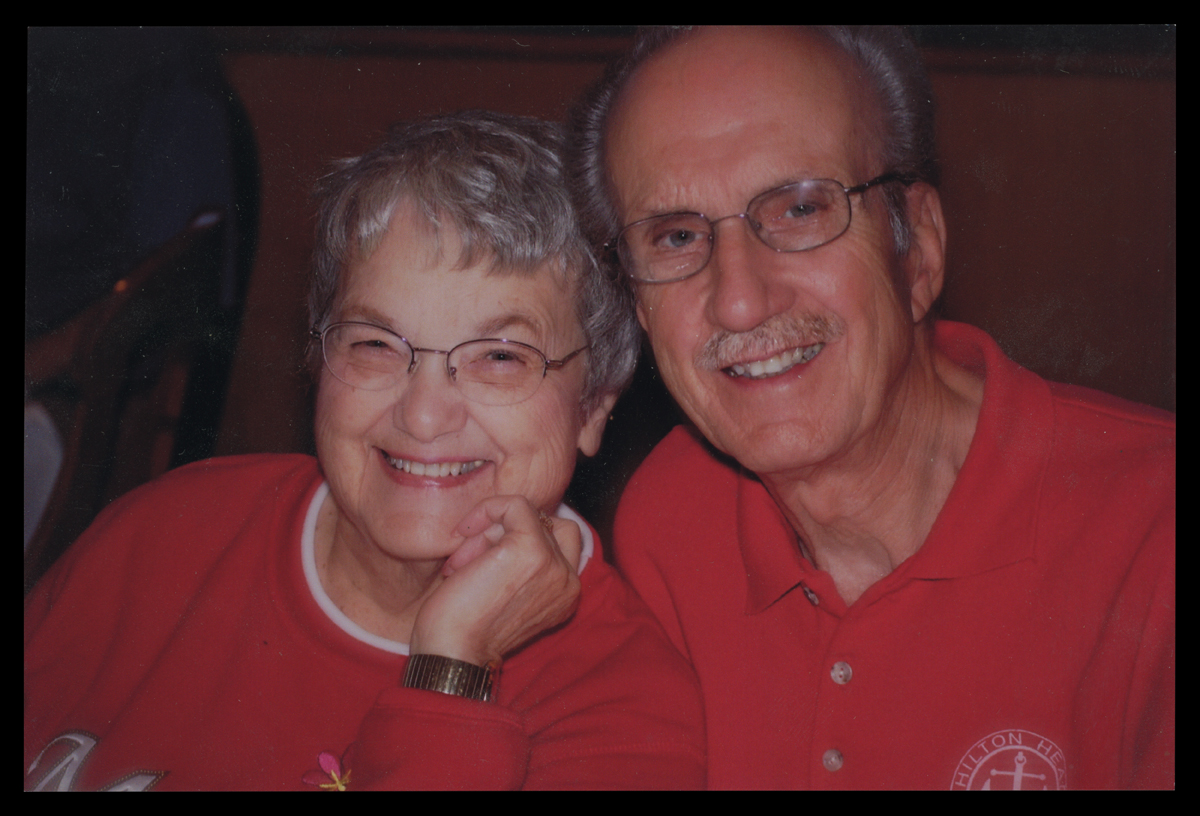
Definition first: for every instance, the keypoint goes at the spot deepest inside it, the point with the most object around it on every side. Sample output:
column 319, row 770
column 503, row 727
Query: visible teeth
column 439, row 469
column 775, row 365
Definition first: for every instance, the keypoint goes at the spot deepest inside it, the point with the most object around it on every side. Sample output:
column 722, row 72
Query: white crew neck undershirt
column 308, row 559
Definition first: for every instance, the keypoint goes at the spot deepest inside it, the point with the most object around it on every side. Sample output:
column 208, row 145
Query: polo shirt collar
column 770, row 547
column 989, row 519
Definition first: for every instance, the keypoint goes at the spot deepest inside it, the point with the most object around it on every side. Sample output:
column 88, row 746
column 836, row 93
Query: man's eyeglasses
column 489, row 371
column 792, row 218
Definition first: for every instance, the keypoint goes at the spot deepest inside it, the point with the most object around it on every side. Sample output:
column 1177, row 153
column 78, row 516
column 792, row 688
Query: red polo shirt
column 1029, row 643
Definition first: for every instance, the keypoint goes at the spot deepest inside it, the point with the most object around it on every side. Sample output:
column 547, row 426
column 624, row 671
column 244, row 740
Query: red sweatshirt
column 1029, row 643
column 181, row 645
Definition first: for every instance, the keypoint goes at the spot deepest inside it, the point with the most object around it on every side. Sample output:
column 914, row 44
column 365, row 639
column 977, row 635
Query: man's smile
column 779, row 363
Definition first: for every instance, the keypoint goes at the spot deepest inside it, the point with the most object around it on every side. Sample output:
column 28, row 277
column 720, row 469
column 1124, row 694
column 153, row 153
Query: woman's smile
column 447, row 471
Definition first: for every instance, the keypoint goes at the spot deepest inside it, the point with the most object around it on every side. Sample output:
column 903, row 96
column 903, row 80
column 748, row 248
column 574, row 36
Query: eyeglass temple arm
column 557, row 364
column 886, row 178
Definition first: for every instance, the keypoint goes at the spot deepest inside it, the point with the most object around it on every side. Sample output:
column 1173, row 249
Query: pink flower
column 334, row 774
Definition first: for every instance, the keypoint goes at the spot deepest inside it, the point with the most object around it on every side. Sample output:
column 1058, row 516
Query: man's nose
column 746, row 289
column 429, row 403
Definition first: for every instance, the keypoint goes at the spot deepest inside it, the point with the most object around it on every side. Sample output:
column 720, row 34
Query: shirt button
column 832, row 760
column 841, row 673
column 812, row 596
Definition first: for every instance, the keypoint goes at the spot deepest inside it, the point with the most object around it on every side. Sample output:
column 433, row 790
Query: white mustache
column 778, row 333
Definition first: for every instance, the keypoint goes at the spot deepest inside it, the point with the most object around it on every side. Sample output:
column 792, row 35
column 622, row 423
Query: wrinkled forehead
column 776, row 103
column 434, row 239
column 415, row 282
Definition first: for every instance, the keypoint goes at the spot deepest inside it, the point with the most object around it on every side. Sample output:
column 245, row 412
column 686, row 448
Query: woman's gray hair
column 891, row 63
column 498, row 181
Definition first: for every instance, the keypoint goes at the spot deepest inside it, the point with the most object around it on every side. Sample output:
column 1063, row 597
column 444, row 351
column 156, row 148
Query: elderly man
column 895, row 558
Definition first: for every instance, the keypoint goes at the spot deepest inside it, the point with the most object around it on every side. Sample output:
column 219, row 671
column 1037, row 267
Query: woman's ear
column 593, row 425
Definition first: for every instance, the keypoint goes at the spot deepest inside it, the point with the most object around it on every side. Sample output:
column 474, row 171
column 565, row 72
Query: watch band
column 450, row 676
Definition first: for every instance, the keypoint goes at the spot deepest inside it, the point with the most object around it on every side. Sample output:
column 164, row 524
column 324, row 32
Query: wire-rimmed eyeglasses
column 491, row 371
column 793, row 218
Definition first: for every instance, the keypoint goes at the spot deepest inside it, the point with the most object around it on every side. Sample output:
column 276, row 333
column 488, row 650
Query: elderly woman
column 415, row 608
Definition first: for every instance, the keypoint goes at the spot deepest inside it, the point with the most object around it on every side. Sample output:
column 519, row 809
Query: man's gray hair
column 498, row 181
column 891, row 63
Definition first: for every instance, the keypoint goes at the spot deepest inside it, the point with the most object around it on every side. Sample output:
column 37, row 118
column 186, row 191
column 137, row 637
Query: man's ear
column 925, row 264
column 593, row 425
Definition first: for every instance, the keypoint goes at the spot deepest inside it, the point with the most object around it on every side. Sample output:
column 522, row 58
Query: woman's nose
column 428, row 402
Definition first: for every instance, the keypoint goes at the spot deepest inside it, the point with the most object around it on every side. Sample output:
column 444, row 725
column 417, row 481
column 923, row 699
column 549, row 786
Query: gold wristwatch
column 450, row 676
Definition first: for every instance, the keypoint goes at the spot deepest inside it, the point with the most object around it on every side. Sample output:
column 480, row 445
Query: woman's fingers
column 570, row 541
column 492, row 519
column 513, row 577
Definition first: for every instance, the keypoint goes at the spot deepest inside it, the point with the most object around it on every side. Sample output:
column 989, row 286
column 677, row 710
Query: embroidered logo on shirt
column 1012, row 760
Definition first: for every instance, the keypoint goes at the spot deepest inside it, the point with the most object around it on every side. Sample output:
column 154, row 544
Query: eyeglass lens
column 797, row 217
column 494, row 372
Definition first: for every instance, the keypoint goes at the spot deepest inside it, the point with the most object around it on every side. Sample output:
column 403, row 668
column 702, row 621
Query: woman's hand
column 511, row 579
